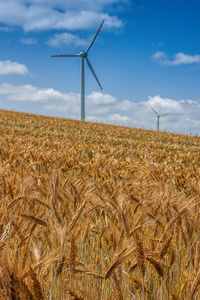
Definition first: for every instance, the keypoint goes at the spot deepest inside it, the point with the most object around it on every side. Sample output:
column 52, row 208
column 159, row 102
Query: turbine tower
column 158, row 117
column 83, row 56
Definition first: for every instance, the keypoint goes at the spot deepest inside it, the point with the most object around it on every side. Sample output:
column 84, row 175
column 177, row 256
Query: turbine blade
column 154, row 111
column 95, row 76
column 66, row 55
column 94, row 38
column 165, row 114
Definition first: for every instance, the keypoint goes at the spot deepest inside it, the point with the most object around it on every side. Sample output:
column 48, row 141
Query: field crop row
column 95, row 211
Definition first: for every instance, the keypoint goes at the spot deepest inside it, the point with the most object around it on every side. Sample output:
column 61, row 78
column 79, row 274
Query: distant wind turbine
column 158, row 117
column 84, row 55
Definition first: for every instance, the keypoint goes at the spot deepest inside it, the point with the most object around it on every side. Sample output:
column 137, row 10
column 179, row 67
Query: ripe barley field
column 95, row 211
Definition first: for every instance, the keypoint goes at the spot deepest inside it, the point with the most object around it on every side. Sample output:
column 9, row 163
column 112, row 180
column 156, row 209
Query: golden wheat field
column 95, row 211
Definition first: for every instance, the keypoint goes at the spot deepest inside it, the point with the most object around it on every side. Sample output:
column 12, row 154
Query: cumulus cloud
column 165, row 103
column 179, row 59
column 117, row 118
column 29, row 93
column 9, row 67
column 81, row 4
column 5, row 28
column 100, row 107
column 28, row 41
column 33, row 15
column 185, row 59
column 98, row 98
column 159, row 55
column 66, row 39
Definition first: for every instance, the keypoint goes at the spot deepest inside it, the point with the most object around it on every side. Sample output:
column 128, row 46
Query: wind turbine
column 158, row 117
column 83, row 56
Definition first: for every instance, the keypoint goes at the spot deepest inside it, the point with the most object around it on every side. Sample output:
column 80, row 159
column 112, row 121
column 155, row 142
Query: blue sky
column 147, row 54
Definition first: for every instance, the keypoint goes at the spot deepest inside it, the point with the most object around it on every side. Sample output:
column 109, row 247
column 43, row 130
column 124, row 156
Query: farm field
column 95, row 211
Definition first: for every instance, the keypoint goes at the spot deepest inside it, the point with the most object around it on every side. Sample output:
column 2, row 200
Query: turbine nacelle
column 83, row 54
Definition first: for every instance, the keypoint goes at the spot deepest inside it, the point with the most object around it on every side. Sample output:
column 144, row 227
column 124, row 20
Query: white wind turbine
column 158, row 117
column 84, row 55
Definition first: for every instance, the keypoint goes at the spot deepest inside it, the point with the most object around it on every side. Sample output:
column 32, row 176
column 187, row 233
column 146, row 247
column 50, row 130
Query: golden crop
column 95, row 211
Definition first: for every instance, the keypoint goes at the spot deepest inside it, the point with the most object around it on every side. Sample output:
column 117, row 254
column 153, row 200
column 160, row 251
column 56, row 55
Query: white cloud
column 100, row 107
column 29, row 93
column 5, row 28
column 33, row 15
column 159, row 55
column 165, row 104
column 179, row 59
column 98, row 98
column 9, row 67
column 70, row 20
column 77, row 4
column 66, row 39
column 117, row 118
column 28, row 41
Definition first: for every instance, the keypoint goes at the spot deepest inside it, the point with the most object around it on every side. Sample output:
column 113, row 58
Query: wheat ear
column 157, row 265
column 125, row 223
column 36, row 220
column 133, row 267
column 72, row 255
column 140, row 255
column 140, row 285
column 115, row 264
column 60, row 266
column 113, row 267
column 36, row 287
column 194, row 286
column 117, row 286
column 6, row 232
column 165, row 247
column 76, row 216
column 74, row 296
